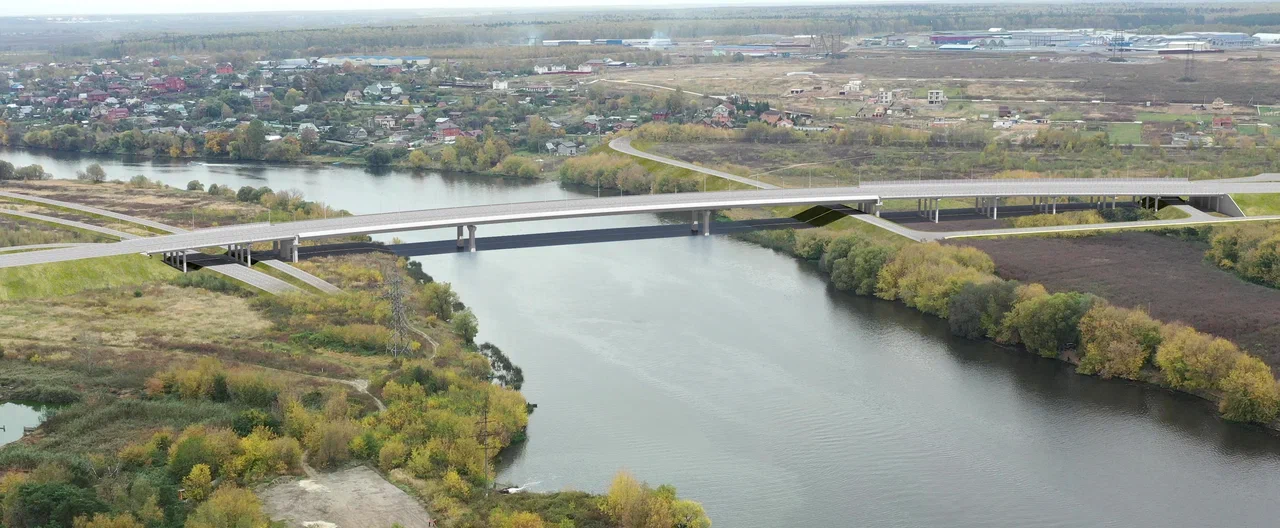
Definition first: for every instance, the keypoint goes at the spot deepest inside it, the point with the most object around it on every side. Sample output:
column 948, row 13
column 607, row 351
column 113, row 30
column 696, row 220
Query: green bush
column 251, row 419
column 979, row 309
column 208, row 281
column 1117, row 341
column 1048, row 324
column 1250, row 392
column 1190, row 360
column 51, row 505
column 925, row 276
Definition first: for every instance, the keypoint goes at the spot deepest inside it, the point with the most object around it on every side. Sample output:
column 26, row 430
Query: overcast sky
column 112, row 7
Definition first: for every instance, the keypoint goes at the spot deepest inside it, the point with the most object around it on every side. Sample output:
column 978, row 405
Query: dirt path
column 352, row 498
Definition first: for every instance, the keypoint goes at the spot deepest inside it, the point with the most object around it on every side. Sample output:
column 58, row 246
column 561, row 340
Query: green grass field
column 1160, row 117
column 1258, row 204
column 1066, row 115
column 65, row 278
column 1125, row 133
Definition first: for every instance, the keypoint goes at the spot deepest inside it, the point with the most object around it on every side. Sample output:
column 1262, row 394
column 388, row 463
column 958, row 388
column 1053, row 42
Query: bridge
column 987, row 196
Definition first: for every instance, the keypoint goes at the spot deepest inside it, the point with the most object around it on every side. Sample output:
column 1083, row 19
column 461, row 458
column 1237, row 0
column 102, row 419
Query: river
column 739, row 376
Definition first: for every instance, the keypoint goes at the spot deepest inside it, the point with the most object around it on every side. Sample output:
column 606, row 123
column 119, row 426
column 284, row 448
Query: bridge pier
column 693, row 222
column 471, row 238
column 460, row 243
column 242, row 254
column 706, row 223
column 287, row 250
column 177, row 259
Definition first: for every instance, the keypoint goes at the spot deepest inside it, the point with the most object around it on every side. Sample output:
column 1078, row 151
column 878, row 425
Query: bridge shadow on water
column 812, row 217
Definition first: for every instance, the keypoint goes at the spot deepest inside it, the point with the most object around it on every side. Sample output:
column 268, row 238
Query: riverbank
column 278, row 362
column 958, row 284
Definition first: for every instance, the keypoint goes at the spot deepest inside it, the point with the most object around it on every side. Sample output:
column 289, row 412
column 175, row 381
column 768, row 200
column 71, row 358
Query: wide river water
column 739, row 376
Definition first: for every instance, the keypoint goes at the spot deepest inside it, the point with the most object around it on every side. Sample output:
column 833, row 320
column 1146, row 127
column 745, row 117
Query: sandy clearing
column 352, row 498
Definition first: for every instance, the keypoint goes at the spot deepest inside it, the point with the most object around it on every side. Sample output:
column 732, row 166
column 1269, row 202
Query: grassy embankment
column 66, row 278
column 1258, row 204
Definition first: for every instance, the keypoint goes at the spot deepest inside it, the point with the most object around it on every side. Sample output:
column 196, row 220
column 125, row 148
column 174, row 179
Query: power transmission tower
column 482, row 435
column 397, row 294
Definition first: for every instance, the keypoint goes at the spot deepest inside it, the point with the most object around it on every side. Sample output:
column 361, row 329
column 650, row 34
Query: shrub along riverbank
column 958, row 284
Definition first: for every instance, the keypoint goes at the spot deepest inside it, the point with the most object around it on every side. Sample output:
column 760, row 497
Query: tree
column 229, row 507
column 249, row 141
column 1192, row 361
column 6, row 170
column 198, row 483
column 449, row 158
column 95, row 173
column 539, row 132
column 195, row 185
column 100, row 520
column 51, row 504
column 675, row 101
column 1116, row 341
column 31, row 172
column 1047, row 324
column 328, row 442
column 627, row 502
column 465, row 326
column 1250, row 392
column 438, row 299
column 378, row 157
column 419, row 159
column 310, row 140
column 979, row 309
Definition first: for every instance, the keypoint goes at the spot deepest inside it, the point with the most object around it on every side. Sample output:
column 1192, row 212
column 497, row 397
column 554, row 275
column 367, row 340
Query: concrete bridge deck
column 865, row 197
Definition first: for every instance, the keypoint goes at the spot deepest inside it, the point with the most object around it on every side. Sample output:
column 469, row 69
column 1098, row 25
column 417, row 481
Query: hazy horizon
column 74, row 8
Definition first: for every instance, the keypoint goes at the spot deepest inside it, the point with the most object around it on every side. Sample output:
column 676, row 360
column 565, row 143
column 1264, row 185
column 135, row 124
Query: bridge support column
column 1055, row 205
column 471, row 238
column 693, row 222
column 995, row 207
column 937, row 210
column 879, row 204
column 706, row 223
column 460, row 244
column 285, row 250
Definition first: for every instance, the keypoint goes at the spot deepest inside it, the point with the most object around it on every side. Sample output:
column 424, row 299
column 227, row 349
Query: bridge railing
column 875, row 183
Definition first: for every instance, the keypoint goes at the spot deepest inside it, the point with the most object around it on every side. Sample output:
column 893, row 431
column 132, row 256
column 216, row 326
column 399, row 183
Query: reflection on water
column 15, row 416
column 742, row 378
